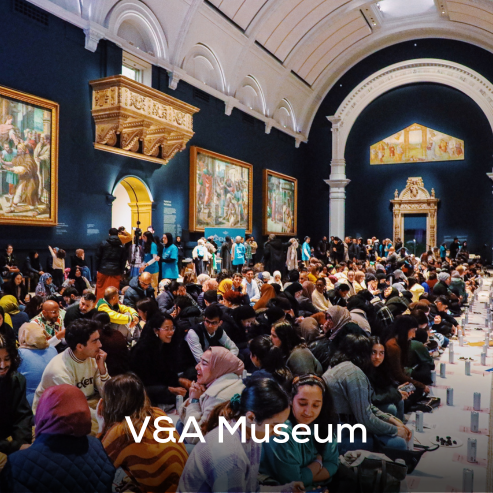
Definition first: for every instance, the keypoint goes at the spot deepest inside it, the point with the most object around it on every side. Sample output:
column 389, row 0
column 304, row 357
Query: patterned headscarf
column 43, row 289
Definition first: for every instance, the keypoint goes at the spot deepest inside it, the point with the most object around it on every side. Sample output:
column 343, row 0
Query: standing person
column 322, row 250
column 200, row 257
column 443, row 252
column 238, row 254
column 254, row 246
column 248, row 253
column 151, row 465
column 181, row 252
column 292, row 255
column 170, row 258
column 15, row 412
column 136, row 257
column 63, row 457
column 226, row 254
column 58, row 256
column 337, row 250
column 313, row 462
column 110, row 263
column 233, row 465
column 306, row 251
column 454, row 248
column 151, row 259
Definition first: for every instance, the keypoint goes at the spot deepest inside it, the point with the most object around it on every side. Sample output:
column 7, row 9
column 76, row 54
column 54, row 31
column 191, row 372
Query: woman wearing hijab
column 276, row 279
column 6, row 329
column 336, row 317
column 152, row 466
column 35, row 353
column 16, row 287
column 63, row 456
column 45, row 287
column 267, row 292
column 15, row 412
column 219, row 374
column 80, row 283
column 11, row 307
column 302, row 306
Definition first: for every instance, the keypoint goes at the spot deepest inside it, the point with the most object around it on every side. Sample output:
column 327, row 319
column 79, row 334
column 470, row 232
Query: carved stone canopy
column 415, row 199
column 138, row 121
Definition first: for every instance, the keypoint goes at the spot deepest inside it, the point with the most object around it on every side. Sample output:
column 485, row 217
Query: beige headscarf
column 340, row 317
column 32, row 336
column 223, row 361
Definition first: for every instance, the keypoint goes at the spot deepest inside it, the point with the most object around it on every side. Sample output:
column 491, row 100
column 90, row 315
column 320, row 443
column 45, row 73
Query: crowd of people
column 343, row 333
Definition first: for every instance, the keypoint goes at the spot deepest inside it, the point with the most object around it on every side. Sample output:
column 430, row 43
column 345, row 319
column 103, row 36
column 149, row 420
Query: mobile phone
column 409, row 387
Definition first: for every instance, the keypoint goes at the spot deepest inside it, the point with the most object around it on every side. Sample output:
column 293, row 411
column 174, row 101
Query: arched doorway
column 133, row 202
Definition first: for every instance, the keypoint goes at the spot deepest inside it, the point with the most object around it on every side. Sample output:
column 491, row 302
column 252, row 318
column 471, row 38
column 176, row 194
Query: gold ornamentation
column 137, row 113
column 415, row 199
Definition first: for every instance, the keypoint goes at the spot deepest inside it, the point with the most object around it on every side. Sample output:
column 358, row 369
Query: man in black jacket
column 138, row 289
column 110, row 263
column 454, row 248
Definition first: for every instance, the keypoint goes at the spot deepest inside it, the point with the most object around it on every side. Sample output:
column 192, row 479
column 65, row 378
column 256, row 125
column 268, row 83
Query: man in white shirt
column 82, row 364
column 251, row 286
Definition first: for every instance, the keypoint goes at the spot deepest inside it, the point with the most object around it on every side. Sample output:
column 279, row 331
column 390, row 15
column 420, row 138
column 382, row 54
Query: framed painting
column 28, row 159
column 280, row 214
column 221, row 190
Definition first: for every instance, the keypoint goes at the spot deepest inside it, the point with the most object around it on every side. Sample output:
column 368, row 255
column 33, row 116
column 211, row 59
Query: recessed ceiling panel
column 241, row 12
column 392, row 9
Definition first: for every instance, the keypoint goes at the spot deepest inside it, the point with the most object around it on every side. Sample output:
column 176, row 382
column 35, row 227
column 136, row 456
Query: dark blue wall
column 464, row 190
column 51, row 62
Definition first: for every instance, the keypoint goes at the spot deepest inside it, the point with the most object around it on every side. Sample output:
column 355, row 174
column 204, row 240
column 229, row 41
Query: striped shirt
column 151, row 465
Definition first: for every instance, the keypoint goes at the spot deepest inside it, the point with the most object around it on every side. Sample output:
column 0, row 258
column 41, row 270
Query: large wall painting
column 280, row 204
column 221, row 190
column 28, row 159
column 415, row 144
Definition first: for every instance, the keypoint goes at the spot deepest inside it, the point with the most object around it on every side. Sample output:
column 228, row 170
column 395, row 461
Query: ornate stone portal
column 138, row 121
column 415, row 199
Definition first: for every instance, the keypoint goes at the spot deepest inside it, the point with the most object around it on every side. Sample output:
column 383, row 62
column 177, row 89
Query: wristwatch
column 194, row 401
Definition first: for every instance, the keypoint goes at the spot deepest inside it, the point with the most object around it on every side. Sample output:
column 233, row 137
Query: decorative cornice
column 444, row 72
column 135, row 120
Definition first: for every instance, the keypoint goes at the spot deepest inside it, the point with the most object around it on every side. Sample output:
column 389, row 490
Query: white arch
column 286, row 107
column 251, row 88
column 452, row 74
column 144, row 20
column 210, row 62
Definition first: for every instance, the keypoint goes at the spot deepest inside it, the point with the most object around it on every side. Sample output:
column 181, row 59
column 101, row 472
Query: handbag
column 411, row 457
column 427, row 405
column 375, row 473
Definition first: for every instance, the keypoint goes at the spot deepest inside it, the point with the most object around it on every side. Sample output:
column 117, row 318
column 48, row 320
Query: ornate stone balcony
column 138, row 121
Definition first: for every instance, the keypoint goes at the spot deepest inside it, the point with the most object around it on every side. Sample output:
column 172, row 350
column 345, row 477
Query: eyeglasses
column 167, row 329
column 212, row 322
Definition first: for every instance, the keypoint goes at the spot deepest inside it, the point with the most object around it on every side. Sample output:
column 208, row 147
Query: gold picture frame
column 279, row 186
column 219, row 196
column 29, row 128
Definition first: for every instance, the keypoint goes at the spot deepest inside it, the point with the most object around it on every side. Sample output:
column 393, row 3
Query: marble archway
column 415, row 199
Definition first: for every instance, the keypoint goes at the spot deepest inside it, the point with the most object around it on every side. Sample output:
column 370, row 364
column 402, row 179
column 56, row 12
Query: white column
column 337, row 182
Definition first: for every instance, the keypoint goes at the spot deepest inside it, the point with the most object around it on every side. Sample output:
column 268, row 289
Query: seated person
column 123, row 317
column 209, row 333
column 10, row 307
column 15, row 412
column 152, row 466
column 166, row 299
column 313, row 463
column 70, row 296
column 251, row 286
column 319, row 296
column 86, row 308
column 351, row 391
column 154, row 360
column 80, row 261
column 45, row 286
column 186, row 314
column 337, row 296
column 219, row 374
column 63, row 457
column 82, row 364
column 49, row 319
column 387, row 396
column 35, row 353
column 77, row 281
column 138, row 289
column 443, row 322
column 16, row 287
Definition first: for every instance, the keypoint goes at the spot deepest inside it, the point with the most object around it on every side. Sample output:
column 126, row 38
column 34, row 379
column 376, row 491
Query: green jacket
column 286, row 462
column 16, row 416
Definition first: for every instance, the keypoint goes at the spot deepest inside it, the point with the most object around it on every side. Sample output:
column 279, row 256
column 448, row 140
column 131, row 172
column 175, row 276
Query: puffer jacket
column 166, row 301
column 59, row 463
column 111, row 257
column 135, row 293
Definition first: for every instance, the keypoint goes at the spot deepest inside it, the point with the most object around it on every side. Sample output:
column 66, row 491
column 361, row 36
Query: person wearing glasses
column 153, row 359
column 139, row 288
column 209, row 333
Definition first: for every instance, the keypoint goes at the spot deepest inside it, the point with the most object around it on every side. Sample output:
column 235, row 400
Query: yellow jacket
column 123, row 316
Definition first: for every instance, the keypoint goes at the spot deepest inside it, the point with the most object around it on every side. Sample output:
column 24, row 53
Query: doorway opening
column 133, row 203
column 415, row 233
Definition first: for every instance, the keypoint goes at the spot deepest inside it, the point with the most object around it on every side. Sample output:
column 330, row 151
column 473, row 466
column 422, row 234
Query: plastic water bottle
column 179, row 403
column 419, row 421
column 467, row 480
column 477, row 401
column 474, row 421
column 443, row 370
column 468, row 368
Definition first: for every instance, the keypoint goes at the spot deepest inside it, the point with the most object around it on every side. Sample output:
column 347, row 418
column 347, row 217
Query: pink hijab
column 63, row 410
column 223, row 361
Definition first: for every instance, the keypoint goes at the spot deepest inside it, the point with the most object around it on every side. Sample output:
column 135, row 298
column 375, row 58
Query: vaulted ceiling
column 273, row 59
